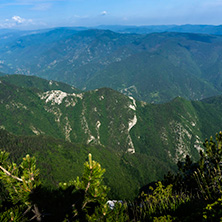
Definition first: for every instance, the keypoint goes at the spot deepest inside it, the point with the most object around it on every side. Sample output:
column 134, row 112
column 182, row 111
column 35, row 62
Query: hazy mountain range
column 154, row 67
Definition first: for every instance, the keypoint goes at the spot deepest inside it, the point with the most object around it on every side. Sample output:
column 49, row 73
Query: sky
column 33, row 14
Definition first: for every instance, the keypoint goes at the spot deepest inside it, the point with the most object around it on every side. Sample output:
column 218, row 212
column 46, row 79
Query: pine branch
column 9, row 174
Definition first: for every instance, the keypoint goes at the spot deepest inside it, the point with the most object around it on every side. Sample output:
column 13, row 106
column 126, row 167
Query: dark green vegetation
column 59, row 161
column 140, row 141
column 155, row 67
column 32, row 82
column 193, row 194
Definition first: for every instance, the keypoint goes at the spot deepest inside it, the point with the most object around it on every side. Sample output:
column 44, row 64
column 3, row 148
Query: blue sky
column 30, row 14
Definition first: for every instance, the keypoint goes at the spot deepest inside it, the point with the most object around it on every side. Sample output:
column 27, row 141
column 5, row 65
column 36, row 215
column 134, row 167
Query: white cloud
column 15, row 21
column 18, row 19
column 103, row 13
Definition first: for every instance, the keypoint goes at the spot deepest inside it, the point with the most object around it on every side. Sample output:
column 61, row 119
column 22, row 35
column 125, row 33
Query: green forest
column 191, row 194
column 122, row 137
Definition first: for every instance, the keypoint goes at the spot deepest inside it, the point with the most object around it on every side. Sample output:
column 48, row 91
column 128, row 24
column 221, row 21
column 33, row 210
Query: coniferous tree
column 19, row 181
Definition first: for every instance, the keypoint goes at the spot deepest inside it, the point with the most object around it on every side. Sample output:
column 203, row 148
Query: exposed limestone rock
column 67, row 129
column 57, row 96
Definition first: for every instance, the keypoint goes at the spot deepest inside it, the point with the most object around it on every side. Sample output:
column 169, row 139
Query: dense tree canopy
column 193, row 194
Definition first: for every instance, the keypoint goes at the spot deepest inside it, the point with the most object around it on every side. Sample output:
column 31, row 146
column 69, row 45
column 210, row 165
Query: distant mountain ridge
column 154, row 68
column 147, row 29
column 140, row 29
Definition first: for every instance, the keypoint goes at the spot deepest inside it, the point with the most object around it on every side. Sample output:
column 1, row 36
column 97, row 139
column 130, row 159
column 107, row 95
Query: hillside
column 33, row 82
column 61, row 161
column 141, row 141
column 154, row 67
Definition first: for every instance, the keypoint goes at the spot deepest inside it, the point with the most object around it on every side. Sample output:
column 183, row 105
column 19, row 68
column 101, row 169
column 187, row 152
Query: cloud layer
column 15, row 21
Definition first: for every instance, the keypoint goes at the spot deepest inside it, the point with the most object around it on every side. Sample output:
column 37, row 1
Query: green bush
column 213, row 212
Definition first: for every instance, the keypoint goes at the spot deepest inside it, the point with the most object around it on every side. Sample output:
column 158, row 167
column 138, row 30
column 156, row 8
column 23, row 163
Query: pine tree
column 19, row 181
column 209, row 173
column 91, row 204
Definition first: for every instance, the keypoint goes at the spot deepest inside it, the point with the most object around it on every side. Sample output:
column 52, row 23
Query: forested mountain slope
column 155, row 67
column 143, row 140
column 61, row 161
